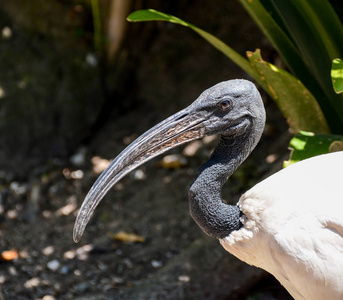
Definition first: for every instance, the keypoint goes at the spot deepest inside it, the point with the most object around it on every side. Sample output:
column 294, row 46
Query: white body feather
column 293, row 228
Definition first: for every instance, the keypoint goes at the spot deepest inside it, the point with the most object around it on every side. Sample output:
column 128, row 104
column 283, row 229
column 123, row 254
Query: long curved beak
column 178, row 129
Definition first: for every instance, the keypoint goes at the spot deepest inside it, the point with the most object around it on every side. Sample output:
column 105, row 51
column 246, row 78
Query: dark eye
column 225, row 104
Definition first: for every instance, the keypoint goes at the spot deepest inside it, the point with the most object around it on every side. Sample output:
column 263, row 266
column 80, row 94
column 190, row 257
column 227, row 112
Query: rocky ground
column 141, row 243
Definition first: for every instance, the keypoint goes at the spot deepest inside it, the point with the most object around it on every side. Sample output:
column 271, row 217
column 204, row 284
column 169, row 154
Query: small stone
column 58, row 287
column 64, row 270
column 53, row 265
column 91, row 59
column 6, row 32
column 271, row 158
column 12, row 214
column 128, row 263
column 18, row 188
column 99, row 164
column 69, row 254
column 2, row 279
column 48, row 250
column 82, row 253
column 67, row 209
column 48, row 297
column 33, row 282
column 173, row 161
column 117, row 280
column 82, row 287
column 78, row 174
column 156, row 263
column 192, row 148
column 79, row 158
column 139, row 175
column 184, row 278
column 102, row 267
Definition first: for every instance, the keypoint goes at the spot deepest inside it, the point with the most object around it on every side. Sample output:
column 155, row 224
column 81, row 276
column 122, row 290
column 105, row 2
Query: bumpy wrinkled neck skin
column 213, row 216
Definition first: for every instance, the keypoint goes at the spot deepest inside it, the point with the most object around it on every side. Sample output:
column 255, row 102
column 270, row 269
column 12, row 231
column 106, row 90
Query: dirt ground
column 169, row 257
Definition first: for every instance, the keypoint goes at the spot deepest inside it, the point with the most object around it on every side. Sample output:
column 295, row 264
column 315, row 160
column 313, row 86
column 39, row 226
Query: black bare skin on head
column 233, row 109
column 243, row 125
column 214, row 217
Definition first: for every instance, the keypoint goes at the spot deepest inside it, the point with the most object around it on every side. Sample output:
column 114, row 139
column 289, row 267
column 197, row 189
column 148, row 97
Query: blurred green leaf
column 318, row 35
column 308, row 35
column 153, row 15
column 276, row 35
column 288, row 92
column 98, row 42
column 337, row 75
column 291, row 96
column 307, row 144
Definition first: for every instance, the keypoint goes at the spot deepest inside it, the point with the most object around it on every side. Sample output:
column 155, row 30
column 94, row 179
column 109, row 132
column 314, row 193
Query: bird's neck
column 213, row 216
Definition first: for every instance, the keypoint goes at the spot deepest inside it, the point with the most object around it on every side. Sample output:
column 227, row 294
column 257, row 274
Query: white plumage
column 293, row 227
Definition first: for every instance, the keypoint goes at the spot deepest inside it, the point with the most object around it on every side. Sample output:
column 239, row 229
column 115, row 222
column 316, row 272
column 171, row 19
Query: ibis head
column 233, row 109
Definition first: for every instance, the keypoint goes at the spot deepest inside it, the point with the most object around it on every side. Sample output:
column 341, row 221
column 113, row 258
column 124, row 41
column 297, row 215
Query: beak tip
column 77, row 233
column 81, row 222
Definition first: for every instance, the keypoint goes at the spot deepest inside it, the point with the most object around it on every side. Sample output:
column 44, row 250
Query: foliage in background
column 98, row 42
column 337, row 75
column 309, row 36
column 284, row 88
column 308, row 144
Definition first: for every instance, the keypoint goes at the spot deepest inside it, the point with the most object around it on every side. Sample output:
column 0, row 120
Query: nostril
column 181, row 116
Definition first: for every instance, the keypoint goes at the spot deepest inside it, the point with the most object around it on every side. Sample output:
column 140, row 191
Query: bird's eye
column 225, row 104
